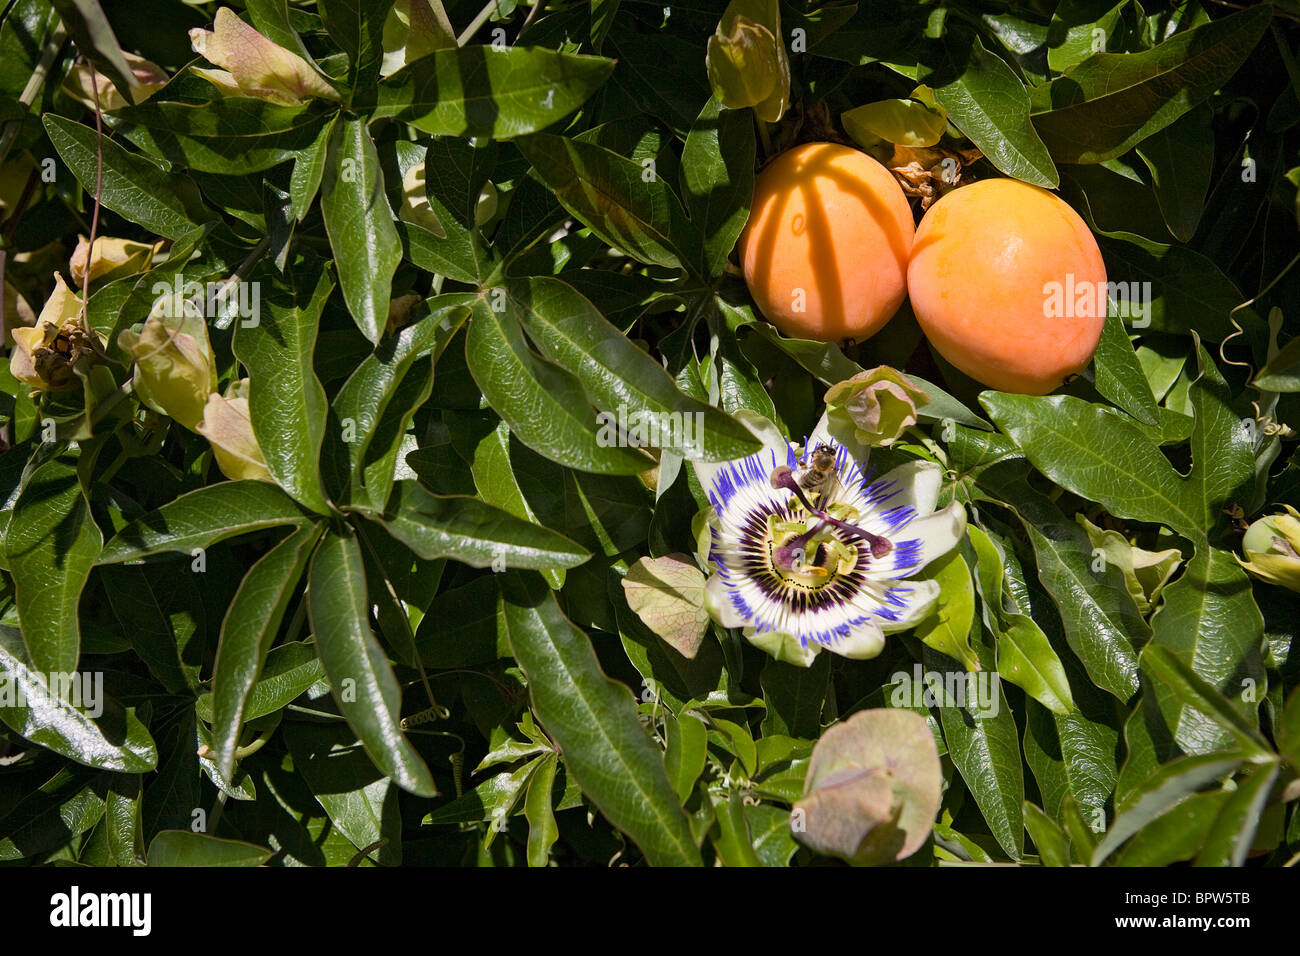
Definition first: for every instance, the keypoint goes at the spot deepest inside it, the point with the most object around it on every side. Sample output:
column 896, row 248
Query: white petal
column 782, row 647
column 764, row 430
column 920, row 598
column 915, row 485
column 927, row 538
column 844, row 435
column 717, row 597
column 863, row 643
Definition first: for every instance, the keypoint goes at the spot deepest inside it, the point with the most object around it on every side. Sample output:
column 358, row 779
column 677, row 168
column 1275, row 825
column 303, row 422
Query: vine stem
column 99, row 188
column 764, row 137
column 477, row 23
column 34, row 86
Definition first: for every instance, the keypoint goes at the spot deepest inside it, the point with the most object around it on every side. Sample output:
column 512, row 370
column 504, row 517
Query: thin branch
column 99, row 188
column 477, row 23
column 34, row 86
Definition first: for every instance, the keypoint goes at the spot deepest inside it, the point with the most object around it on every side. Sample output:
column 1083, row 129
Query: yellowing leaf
column 668, row 595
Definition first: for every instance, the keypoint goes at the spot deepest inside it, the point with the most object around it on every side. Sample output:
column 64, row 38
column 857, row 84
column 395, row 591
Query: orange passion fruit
column 1008, row 284
column 825, row 252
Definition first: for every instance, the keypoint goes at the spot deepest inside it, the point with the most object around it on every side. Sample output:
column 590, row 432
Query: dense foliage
column 326, row 501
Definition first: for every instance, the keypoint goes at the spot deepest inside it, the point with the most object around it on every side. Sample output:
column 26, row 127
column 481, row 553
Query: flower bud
column 746, row 59
column 873, row 788
column 174, row 369
column 117, row 257
column 44, row 354
column 81, row 84
column 875, row 406
column 1272, row 546
column 254, row 66
column 228, row 427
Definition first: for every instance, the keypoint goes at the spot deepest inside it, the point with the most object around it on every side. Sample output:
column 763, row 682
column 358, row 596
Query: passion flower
column 814, row 551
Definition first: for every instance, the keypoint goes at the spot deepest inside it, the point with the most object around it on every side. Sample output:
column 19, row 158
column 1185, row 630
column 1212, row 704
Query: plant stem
column 34, row 86
column 99, row 188
column 764, row 137
column 477, row 23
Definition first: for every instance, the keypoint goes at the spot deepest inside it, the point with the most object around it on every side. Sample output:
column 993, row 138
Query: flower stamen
column 783, row 478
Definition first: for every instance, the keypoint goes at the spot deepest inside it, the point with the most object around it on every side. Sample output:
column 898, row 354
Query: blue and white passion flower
column 809, row 550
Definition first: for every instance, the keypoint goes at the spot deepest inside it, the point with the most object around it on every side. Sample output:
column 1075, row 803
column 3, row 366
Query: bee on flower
column 809, row 550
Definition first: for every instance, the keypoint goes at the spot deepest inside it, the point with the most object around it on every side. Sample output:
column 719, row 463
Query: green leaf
column 47, row 820
column 186, row 848
column 482, row 91
column 1175, row 835
column 114, row 739
column 988, row 103
column 1282, row 372
column 50, row 546
column 983, row 745
column 203, row 517
column 366, row 246
column 544, row 405
column 1025, row 656
column 543, row 831
column 731, row 838
column 1174, row 783
column 1188, row 291
column 360, row 801
column 286, row 402
column 477, row 534
column 122, row 820
column 1181, row 160
column 247, row 631
column 717, row 174
column 233, row 136
column 1100, row 617
column 1079, row 27
column 309, row 171
column 364, row 686
column 593, row 721
column 687, row 751
column 1205, row 646
column 621, row 201
column 164, row 203
column 1110, row 102
column 93, row 34
column 1233, row 833
column 795, row 697
column 355, row 469
column 289, row 670
column 357, row 26
column 769, row 832
column 626, row 383
column 947, row 628
column 1096, row 454
column 1119, row 374
column 1049, row 839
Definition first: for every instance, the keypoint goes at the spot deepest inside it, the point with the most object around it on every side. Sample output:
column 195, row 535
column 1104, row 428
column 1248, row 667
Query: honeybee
column 816, row 471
